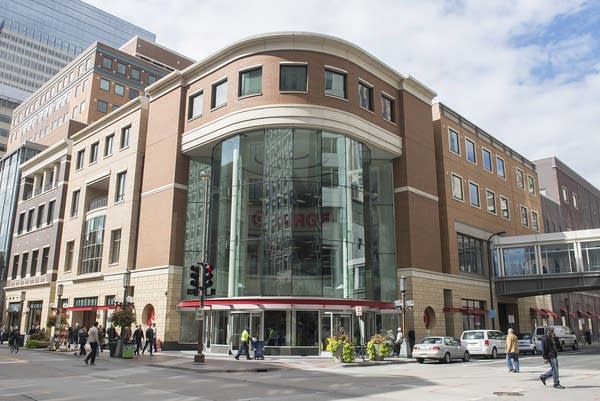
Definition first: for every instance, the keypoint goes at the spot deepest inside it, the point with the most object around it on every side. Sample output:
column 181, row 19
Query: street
column 171, row 376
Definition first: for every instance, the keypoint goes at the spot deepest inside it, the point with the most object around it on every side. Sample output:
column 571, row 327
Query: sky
column 525, row 71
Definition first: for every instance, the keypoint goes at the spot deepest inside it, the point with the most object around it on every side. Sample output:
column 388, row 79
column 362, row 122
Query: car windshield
column 475, row 335
column 432, row 340
column 524, row 337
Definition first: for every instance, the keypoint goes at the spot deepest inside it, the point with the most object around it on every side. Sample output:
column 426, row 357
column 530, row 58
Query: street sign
column 492, row 313
column 409, row 303
column 511, row 319
column 358, row 310
column 199, row 315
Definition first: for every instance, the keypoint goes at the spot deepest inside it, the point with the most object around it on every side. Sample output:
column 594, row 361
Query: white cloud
column 467, row 51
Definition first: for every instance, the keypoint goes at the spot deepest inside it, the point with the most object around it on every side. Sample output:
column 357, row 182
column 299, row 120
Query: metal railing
column 97, row 203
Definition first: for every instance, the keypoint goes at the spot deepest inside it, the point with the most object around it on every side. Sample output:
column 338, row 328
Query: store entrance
column 245, row 320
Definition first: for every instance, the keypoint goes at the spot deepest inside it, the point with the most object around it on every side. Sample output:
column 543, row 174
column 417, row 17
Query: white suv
column 484, row 342
column 566, row 337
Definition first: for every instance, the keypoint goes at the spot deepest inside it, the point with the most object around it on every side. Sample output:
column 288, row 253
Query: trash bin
column 112, row 346
column 21, row 340
column 128, row 351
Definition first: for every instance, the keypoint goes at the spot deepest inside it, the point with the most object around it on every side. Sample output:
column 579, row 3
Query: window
column 151, row 79
column 24, row 265
column 474, row 194
column 195, row 105
column 50, row 215
column 75, row 203
column 82, row 106
column 119, row 90
column 457, row 187
column 490, row 201
column 504, row 211
column 453, row 141
column 121, row 68
column 575, row 203
column 500, row 167
column 75, row 111
column 108, row 144
column 219, row 94
column 104, row 84
column 520, row 179
column 93, row 241
column 293, row 78
column 30, row 219
column 133, row 93
column 470, row 147
column 94, row 152
column 70, row 249
column 135, row 74
column 120, row 190
column 470, row 254
column 530, row 184
column 106, row 62
column 34, row 262
column 565, row 194
column 487, row 160
column 115, row 246
column 125, row 137
column 534, row 221
column 101, row 106
column 335, row 83
column 524, row 216
column 21, row 223
column 40, row 216
column 44, row 265
column 250, row 82
column 80, row 157
column 387, row 108
column 15, row 268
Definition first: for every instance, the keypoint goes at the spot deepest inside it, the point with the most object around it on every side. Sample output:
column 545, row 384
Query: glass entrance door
column 333, row 324
column 244, row 320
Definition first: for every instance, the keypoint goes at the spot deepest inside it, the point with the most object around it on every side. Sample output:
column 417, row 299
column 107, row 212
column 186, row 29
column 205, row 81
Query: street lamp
column 491, row 276
column 59, row 293
column 402, row 305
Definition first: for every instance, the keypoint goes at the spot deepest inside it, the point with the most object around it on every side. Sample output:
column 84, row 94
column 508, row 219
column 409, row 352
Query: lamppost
column 403, row 305
column 199, row 357
column 59, row 293
column 491, row 276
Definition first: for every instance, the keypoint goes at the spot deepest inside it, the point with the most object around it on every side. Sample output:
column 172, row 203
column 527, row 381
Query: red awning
column 89, row 308
column 539, row 311
column 584, row 313
column 464, row 311
column 549, row 312
column 564, row 309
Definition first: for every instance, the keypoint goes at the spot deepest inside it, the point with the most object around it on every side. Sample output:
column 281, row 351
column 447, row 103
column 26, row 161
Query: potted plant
column 341, row 348
column 378, row 348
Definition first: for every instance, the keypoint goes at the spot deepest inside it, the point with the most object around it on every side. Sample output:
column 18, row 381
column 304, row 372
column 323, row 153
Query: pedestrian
column 398, row 342
column 512, row 352
column 244, row 348
column 550, row 355
column 102, row 337
column 155, row 337
column 138, row 336
column 112, row 334
column 149, row 339
column 83, row 335
column 3, row 333
column 94, row 340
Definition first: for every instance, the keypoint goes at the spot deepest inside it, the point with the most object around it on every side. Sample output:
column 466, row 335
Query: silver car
column 527, row 344
column 442, row 348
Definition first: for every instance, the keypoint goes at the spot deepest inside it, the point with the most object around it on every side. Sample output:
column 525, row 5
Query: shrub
column 36, row 343
column 341, row 346
column 378, row 348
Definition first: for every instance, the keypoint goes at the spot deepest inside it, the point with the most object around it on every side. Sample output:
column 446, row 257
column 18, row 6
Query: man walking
column 244, row 348
column 149, row 340
column 398, row 342
column 550, row 355
column 512, row 352
column 94, row 340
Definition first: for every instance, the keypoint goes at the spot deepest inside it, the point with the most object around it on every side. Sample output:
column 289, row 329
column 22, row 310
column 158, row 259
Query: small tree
column 124, row 317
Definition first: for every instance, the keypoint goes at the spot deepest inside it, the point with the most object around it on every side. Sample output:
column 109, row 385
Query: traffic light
column 207, row 280
column 194, row 280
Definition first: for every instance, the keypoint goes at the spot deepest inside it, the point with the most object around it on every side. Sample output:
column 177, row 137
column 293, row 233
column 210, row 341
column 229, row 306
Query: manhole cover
column 508, row 393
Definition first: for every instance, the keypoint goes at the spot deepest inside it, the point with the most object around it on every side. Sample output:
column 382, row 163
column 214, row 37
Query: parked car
column 566, row 337
column 527, row 344
column 442, row 348
column 488, row 343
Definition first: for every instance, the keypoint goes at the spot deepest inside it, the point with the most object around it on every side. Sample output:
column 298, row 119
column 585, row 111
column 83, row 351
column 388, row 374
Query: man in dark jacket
column 149, row 340
column 550, row 355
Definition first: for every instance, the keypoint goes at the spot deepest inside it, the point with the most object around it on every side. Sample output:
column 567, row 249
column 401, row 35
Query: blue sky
column 525, row 71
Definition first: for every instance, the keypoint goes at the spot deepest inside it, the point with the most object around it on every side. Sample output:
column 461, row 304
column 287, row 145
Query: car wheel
column 420, row 360
column 466, row 356
column 575, row 346
column 533, row 351
column 447, row 358
column 494, row 353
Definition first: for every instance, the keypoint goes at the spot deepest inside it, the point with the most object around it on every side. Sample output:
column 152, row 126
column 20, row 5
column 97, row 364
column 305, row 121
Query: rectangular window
column 487, row 160
column 119, row 90
column 133, row 93
column 44, row 265
column 504, row 210
column 500, row 167
column 530, row 184
column 457, row 187
column 520, row 179
column 120, row 190
column 335, row 83
column 21, row 223
column 34, row 262
column 106, row 62
column 50, row 214
column 470, row 147
column 151, row 79
column 92, row 245
column 453, row 141
column 575, row 203
column 121, row 68
column 104, row 84
column 293, row 78
column 30, row 219
column 365, row 96
column 565, row 194
column 219, row 94
column 125, row 137
column 115, row 246
column 101, row 106
column 195, row 105
column 94, row 152
column 24, row 265
column 534, row 221
column 75, row 203
column 524, row 216
column 490, row 201
column 80, row 158
column 387, row 108
column 474, row 194
column 108, row 144
column 40, row 216
column 250, row 82
column 135, row 74
column 15, row 268
column 470, row 254
column 82, row 107
column 70, row 249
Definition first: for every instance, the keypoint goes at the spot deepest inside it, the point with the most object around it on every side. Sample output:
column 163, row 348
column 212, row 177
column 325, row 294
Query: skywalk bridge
column 547, row 263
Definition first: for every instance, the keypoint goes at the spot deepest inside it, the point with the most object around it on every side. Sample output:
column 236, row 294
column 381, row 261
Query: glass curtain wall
column 301, row 212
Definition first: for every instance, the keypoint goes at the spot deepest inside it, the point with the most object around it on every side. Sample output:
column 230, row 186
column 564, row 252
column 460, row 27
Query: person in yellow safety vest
column 272, row 336
column 244, row 348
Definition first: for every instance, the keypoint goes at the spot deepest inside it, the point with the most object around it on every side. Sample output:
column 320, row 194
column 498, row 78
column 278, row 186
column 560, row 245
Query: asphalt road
column 44, row 376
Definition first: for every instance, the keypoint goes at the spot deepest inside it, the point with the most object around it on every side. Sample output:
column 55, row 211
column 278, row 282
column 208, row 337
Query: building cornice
column 52, row 153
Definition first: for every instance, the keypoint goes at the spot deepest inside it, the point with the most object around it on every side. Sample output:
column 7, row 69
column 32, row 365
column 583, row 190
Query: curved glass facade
column 303, row 213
